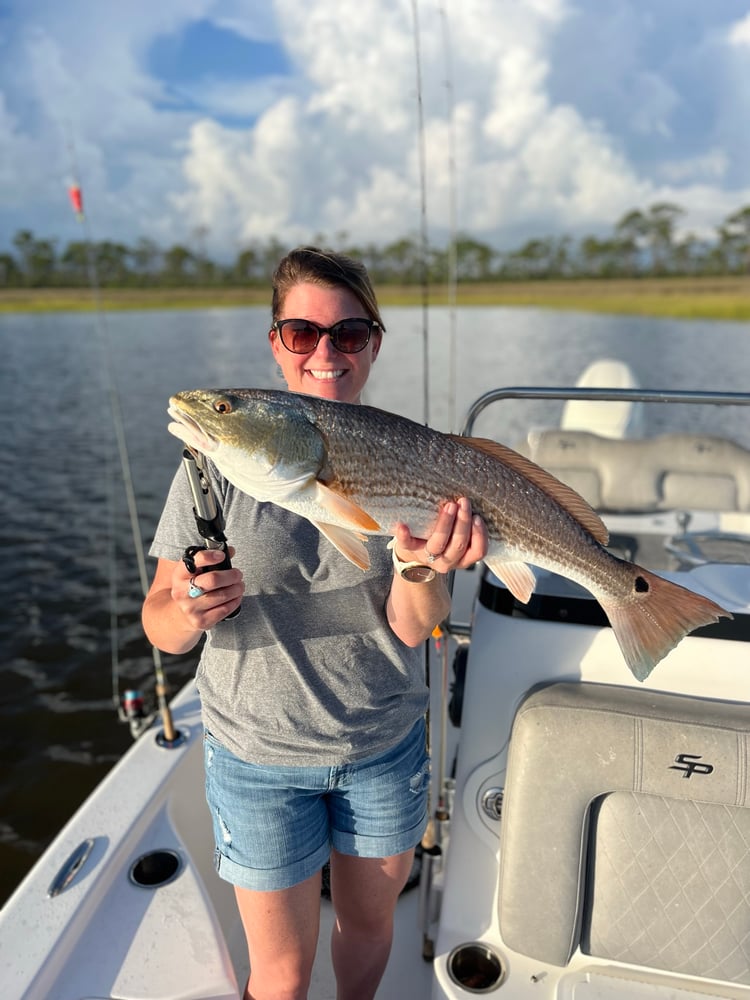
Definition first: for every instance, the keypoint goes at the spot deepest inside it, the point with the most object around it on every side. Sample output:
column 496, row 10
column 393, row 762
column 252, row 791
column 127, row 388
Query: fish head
column 259, row 440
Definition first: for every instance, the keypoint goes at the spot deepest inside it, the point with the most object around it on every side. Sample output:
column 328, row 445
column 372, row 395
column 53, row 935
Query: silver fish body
column 355, row 470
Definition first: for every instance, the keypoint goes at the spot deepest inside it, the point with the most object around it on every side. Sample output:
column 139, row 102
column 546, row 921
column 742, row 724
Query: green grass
column 683, row 298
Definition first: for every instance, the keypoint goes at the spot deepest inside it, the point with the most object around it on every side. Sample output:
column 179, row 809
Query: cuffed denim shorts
column 275, row 826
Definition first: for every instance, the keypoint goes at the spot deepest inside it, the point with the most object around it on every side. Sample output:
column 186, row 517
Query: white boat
column 590, row 835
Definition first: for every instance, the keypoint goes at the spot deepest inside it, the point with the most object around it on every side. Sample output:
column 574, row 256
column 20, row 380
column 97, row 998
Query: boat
column 589, row 834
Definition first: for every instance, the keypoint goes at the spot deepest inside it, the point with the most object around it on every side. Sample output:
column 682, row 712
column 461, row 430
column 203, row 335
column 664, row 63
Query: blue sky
column 253, row 119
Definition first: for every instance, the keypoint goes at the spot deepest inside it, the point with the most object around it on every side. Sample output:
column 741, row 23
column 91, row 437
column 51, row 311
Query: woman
column 313, row 698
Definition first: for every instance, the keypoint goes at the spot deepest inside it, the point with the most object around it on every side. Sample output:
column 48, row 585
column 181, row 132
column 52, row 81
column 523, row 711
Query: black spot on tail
column 641, row 585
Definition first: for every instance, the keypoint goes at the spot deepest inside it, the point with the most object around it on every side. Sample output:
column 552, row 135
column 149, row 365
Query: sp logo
column 688, row 763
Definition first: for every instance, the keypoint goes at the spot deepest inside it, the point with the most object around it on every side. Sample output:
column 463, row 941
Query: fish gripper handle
column 188, row 557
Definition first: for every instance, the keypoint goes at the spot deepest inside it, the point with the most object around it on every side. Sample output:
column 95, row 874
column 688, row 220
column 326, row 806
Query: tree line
column 642, row 243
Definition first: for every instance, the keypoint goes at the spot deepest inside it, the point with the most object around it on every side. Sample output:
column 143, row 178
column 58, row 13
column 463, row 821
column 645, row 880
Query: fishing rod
column 452, row 220
column 431, row 849
column 130, row 707
column 439, row 817
column 423, row 219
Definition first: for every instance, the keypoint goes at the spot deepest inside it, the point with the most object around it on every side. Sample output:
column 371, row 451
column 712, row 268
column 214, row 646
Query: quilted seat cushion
column 669, row 886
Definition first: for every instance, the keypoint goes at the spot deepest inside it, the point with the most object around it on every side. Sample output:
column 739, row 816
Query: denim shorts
column 275, row 826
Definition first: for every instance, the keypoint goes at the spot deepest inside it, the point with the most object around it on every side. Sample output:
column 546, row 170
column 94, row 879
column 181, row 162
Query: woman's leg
column 364, row 893
column 281, row 928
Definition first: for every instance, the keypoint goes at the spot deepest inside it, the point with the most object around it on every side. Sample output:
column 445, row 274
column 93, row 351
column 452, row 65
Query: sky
column 216, row 123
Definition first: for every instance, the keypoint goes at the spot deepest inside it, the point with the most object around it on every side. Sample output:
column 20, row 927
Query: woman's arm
column 172, row 620
column 457, row 542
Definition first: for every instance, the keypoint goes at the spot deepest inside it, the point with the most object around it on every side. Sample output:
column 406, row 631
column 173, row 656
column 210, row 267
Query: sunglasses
column 301, row 336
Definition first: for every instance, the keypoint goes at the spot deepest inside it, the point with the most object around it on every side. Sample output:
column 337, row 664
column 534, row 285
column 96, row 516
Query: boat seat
column 682, row 471
column 626, row 831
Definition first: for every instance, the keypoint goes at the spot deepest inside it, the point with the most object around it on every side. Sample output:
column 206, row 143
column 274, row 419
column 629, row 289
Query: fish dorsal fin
column 568, row 499
column 343, row 509
column 349, row 543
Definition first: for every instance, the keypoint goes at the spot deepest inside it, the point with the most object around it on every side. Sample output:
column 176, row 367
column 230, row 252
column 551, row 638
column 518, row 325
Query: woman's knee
column 282, row 934
column 365, row 891
column 279, row 980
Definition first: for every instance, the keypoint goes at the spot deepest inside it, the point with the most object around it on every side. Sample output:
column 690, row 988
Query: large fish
column 354, row 470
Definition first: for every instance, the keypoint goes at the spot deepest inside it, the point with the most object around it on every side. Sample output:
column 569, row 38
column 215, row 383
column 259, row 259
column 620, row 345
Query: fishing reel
column 131, row 708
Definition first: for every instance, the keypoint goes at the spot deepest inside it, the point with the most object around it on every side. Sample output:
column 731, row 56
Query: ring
column 194, row 590
column 430, row 557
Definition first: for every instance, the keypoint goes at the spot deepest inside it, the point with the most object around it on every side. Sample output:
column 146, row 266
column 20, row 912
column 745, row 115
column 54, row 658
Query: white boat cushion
column 670, row 886
column 691, row 471
column 571, row 745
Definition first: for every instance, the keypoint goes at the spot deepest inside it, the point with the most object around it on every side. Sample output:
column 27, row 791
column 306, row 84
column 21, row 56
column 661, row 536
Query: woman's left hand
column 458, row 540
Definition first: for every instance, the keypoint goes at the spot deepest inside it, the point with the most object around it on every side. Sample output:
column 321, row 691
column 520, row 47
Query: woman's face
column 326, row 371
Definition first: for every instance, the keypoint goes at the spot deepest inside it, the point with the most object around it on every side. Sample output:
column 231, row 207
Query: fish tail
column 658, row 614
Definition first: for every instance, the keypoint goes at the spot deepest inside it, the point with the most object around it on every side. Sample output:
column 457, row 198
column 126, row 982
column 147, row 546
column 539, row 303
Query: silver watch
column 414, row 572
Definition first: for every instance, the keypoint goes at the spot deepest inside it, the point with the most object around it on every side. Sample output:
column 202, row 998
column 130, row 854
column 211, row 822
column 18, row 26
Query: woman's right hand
column 173, row 621
column 222, row 590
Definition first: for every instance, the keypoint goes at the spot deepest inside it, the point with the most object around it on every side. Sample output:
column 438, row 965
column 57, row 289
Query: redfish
column 355, row 470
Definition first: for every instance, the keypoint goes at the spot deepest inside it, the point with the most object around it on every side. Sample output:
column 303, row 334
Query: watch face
column 419, row 574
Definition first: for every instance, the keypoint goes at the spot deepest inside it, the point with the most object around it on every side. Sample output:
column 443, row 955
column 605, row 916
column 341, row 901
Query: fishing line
column 452, row 221
column 137, row 725
column 423, row 219
column 430, row 845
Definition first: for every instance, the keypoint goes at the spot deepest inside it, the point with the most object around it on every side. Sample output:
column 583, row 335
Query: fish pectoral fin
column 344, row 509
column 517, row 577
column 349, row 543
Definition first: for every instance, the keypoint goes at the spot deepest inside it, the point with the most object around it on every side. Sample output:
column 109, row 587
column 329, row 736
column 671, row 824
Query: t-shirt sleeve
column 176, row 528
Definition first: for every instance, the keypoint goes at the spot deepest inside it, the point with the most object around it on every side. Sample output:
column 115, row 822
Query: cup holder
column 155, row 869
column 476, row 968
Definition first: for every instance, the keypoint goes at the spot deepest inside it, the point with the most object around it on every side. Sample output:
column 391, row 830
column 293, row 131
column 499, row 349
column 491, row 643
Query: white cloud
column 711, row 165
column 240, row 99
column 564, row 117
column 739, row 32
column 357, row 139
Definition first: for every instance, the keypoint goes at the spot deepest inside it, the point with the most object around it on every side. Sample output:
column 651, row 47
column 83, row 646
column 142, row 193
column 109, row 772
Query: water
column 63, row 502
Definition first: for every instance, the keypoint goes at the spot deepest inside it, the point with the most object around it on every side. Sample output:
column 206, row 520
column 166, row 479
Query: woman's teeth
column 325, row 376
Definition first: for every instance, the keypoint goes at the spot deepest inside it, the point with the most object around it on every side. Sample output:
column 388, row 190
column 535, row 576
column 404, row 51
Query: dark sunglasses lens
column 298, row 336
column 351, row 335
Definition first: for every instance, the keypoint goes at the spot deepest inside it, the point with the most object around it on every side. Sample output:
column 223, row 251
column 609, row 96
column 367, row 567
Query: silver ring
column 430, row 557
column 194, row 590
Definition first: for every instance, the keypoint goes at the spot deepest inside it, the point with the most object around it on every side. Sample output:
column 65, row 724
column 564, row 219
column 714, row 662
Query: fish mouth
column 190, row 431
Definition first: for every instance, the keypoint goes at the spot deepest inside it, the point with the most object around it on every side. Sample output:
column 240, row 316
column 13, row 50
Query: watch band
column 413, row 572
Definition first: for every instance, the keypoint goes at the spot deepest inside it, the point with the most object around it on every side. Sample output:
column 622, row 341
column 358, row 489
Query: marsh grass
column 720, row 298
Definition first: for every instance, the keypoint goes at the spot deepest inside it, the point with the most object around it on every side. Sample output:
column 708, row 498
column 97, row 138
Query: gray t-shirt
column 309, row 672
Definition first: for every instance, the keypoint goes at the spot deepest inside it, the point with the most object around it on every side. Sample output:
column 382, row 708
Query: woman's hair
column 311, row 265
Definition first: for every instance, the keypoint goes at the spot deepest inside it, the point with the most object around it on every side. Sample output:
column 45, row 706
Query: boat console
column 598, row 846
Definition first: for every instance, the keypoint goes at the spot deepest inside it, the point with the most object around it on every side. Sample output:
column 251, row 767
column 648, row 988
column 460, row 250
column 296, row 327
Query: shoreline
column 717, row 298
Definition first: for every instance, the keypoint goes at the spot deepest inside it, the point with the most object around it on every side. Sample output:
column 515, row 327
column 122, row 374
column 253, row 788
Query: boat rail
column 459, row 628
column 601, row 395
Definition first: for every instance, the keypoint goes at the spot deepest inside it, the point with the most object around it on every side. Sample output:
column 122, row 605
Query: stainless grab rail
column 601, row 395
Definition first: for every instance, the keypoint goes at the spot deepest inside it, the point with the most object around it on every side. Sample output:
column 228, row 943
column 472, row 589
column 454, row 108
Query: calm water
column 63, row 501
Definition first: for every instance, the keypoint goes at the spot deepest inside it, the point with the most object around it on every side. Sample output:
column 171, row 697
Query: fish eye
column 223, row 406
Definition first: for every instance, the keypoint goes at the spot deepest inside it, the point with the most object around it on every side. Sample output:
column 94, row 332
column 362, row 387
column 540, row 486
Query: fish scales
column 355, row 470
column 412, row 481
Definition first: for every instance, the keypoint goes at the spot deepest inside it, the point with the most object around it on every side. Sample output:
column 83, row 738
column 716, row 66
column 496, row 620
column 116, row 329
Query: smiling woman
column 282, row 716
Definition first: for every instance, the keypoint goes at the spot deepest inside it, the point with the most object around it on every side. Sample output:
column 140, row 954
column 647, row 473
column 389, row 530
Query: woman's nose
column 325, row 347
